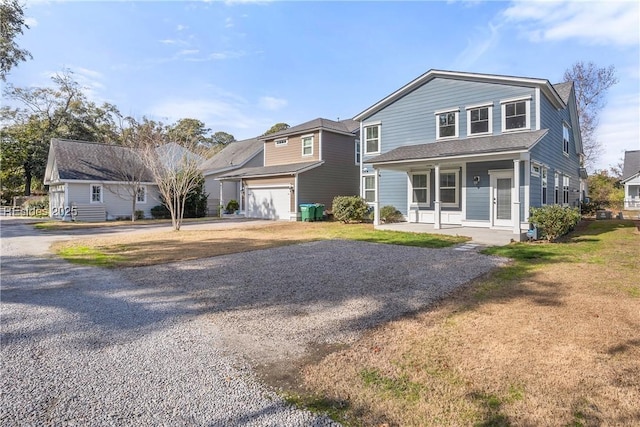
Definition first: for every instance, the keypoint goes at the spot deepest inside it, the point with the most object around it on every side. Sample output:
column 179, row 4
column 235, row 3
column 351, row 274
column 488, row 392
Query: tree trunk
column 27, row 181
column 133, row 208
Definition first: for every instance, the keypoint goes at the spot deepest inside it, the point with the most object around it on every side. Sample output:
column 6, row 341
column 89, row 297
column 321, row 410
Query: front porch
column 483, row 236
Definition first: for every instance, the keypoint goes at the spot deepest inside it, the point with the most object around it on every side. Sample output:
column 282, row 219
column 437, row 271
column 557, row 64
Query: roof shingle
column 234, row 155
column 631, row 164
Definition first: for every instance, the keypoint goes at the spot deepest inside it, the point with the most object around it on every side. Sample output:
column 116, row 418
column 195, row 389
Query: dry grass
column 553, row 339
column 158, row 247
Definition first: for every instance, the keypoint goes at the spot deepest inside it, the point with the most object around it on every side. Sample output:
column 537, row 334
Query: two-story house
column 473, row 150
column 309, row 163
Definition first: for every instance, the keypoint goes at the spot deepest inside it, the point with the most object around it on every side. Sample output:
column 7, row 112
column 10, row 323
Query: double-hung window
column 556, row 199
column 449, row 188
column 479, row 120
column 565, row 139
column 544, row 185
column 420, row 188
column 141, row 194
column 372, row 139
column 446, row 124
column 369, row 188
column 307, row 145
column 96, row 193
column 565, row 190
column 357, row 151
column 515, row 115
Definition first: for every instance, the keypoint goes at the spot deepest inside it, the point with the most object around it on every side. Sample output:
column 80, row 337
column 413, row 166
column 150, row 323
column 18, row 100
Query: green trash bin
column 307, row 212
column 319, row 211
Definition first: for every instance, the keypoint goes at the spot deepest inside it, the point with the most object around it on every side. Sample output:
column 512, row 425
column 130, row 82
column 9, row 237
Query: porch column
column 221, row 202
column 376, row 203
column 436, row 203
column 515, row 207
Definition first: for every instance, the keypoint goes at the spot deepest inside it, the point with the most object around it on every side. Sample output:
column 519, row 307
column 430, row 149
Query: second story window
column 446, row 124
column 479, row 120
column 372, row 139
column 307, row 145
column 357, row 151
column 281, row 142
column 565, row 139
column 515, row 115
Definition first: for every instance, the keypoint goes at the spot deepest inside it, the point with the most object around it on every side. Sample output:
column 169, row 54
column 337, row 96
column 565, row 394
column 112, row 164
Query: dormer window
column 446, row 124
column 515, row 115
column 479, row 120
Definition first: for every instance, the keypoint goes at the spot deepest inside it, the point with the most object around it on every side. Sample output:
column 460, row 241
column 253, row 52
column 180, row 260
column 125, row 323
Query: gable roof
column 235, row 155
column 287, row 169
column 90, row 161
column 631, row 165
column 520, row 141
column 542, row 84
column 346, row 127
column 564, row 90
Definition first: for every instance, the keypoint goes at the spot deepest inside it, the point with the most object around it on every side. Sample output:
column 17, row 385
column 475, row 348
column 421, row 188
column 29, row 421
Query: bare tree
column 591, row 85
column 176, row 172
column 127, row 160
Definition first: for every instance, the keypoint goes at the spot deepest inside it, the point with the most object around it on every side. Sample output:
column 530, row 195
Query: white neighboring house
column 236, row 155
column 86, row 182
column 631, row 179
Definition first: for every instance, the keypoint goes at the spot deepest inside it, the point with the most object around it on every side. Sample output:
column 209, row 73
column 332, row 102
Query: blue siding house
column 472, row 150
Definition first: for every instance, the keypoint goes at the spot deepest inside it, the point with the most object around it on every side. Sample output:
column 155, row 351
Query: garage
column 268, row 203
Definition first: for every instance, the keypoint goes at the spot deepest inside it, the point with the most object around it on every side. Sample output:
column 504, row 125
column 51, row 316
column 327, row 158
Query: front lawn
column 551, row 339
column 159, row 247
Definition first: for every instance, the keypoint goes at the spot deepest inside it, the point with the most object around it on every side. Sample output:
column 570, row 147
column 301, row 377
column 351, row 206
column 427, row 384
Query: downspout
column 295, row 195
column 319, row 145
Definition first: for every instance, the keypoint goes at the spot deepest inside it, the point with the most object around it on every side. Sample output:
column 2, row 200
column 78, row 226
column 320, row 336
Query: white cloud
column 189, row 52
column 228, row 23
column 619, row 129
column 477, row 46
column 272, row 104
column 217, row 114
column 31, row 22
column 600, row 23
column 181, row 27
column 169, row 41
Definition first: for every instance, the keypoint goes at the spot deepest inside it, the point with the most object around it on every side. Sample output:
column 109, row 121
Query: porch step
column 466, row 247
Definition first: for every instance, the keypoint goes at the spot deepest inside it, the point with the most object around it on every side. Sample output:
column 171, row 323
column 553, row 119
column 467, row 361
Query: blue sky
column 241, row 66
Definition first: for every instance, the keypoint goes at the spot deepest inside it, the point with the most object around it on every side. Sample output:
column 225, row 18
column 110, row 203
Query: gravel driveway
column 169, row 345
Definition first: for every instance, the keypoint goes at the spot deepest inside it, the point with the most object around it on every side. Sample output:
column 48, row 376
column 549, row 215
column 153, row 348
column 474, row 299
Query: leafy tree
column 277, row 128
column 61, row 111
column 591, row 85
column 222, row 138
column 605, row 191
column 190, row 133
column 11, row 24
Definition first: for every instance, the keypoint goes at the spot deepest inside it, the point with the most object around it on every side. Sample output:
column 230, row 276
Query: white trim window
column 307, row 145
column 357, row 148
column 565, row 139
column 479, row 120
column 516, row 115
column 96, row 193
column 544, row 178
column 372, row 139
column 565, row 190
column 446, row 124
column 556, row 179
column 141, row 194
column 535, row 169
column 420, row 188
column 449, row 188
column 281, row 142
column 369, row 188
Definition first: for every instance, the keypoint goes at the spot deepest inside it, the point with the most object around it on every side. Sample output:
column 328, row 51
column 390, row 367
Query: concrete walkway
column 483, row 236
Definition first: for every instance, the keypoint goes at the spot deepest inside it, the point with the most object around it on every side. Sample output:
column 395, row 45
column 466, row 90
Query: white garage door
column 268, row 203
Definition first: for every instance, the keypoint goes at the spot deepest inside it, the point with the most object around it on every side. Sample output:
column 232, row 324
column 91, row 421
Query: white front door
column 501, row 198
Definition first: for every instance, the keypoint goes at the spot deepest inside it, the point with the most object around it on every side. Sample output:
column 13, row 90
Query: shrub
column 232, row 206
column 195, row 205
column 139, row 214
column 554, row 221
column 160, row 212
column 390, row 214
column 349, row 208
